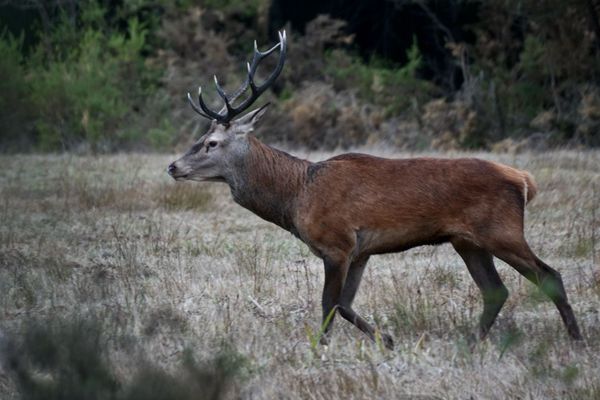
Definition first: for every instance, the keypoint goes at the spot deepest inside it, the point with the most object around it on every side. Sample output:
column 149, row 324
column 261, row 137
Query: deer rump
column 390, row 205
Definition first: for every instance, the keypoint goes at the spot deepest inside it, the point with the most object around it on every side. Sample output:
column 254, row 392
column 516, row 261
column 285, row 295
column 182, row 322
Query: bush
column 333, row 99
column 15, row 107
column 320, row 117
column 393, row 88
column 69, row 359
column 93, row 94
column 537, row 63
column 84, row 84
column 98, row 79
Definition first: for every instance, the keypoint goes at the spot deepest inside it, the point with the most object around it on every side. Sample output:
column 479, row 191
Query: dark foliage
column 106, row 76
column 386, row 29
column 69, row 359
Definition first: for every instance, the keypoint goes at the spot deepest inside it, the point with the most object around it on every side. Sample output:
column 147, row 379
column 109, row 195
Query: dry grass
column 171, row 269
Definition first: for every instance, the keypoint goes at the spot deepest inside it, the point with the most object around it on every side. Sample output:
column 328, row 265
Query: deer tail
column 530, row 187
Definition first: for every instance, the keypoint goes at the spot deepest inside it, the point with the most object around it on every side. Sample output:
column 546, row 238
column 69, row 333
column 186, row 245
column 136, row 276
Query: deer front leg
column 335, row 276
column 351, row 285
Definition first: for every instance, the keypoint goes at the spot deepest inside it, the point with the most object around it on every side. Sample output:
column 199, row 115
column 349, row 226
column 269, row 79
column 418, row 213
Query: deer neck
column 268, row 182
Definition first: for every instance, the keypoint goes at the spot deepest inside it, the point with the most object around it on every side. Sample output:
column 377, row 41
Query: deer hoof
column 388, row 342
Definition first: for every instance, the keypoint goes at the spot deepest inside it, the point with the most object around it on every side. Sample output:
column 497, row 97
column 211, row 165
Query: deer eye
column 211, row 145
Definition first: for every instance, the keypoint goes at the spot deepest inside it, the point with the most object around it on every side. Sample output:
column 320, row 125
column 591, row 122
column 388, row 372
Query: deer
column 353, row 206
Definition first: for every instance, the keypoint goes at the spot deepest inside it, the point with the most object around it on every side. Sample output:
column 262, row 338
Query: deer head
column 214, row 156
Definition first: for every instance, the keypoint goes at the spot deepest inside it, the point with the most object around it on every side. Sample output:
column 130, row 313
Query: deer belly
column 382, row 241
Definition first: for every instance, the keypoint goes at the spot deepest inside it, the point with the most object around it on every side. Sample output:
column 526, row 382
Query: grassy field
column 174, row 284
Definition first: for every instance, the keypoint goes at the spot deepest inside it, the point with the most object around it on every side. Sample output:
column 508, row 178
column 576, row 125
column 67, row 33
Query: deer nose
column 172, row 168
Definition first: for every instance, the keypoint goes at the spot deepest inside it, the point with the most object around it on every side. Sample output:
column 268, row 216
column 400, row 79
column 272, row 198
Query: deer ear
column 246, row 123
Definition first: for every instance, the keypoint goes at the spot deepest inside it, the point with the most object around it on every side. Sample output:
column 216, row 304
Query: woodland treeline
column 112, row 75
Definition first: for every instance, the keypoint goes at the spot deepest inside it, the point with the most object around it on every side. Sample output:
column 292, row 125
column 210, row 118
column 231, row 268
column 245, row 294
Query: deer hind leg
column 349, row 290
column 481, row 267
column 517, row 254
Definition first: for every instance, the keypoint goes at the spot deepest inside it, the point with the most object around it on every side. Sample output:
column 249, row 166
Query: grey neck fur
column 268, row 182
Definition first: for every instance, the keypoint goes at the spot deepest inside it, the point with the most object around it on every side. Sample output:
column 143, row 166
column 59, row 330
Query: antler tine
column 211, row 114
column 228, row 112
column 195, row 107
column 283, row 52
column 221, row 93
column 272, row 49
column 258, row 56
column 256, row 59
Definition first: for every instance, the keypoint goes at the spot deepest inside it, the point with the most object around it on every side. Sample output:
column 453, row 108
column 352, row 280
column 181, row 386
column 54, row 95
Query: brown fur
column 355, row 205
column 520, row 178
column 352, row 206
column 398, row 204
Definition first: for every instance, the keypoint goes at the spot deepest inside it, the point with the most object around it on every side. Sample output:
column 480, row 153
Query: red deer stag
column 352, row 206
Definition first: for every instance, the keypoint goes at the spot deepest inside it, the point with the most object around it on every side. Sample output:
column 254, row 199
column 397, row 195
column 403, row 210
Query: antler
column 228, row 112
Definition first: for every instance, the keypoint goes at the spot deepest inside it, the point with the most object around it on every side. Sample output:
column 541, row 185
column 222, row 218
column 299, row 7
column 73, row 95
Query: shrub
column 320, row 117
column 538, row 63
column 93, row 93
column 15, row 106
column 69, row 359
column 588, row 113
column 86, row 83
column 393, row 88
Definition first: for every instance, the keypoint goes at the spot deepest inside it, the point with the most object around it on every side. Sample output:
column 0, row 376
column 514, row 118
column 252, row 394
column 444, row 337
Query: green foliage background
column 85, row 85
column 102, row 79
